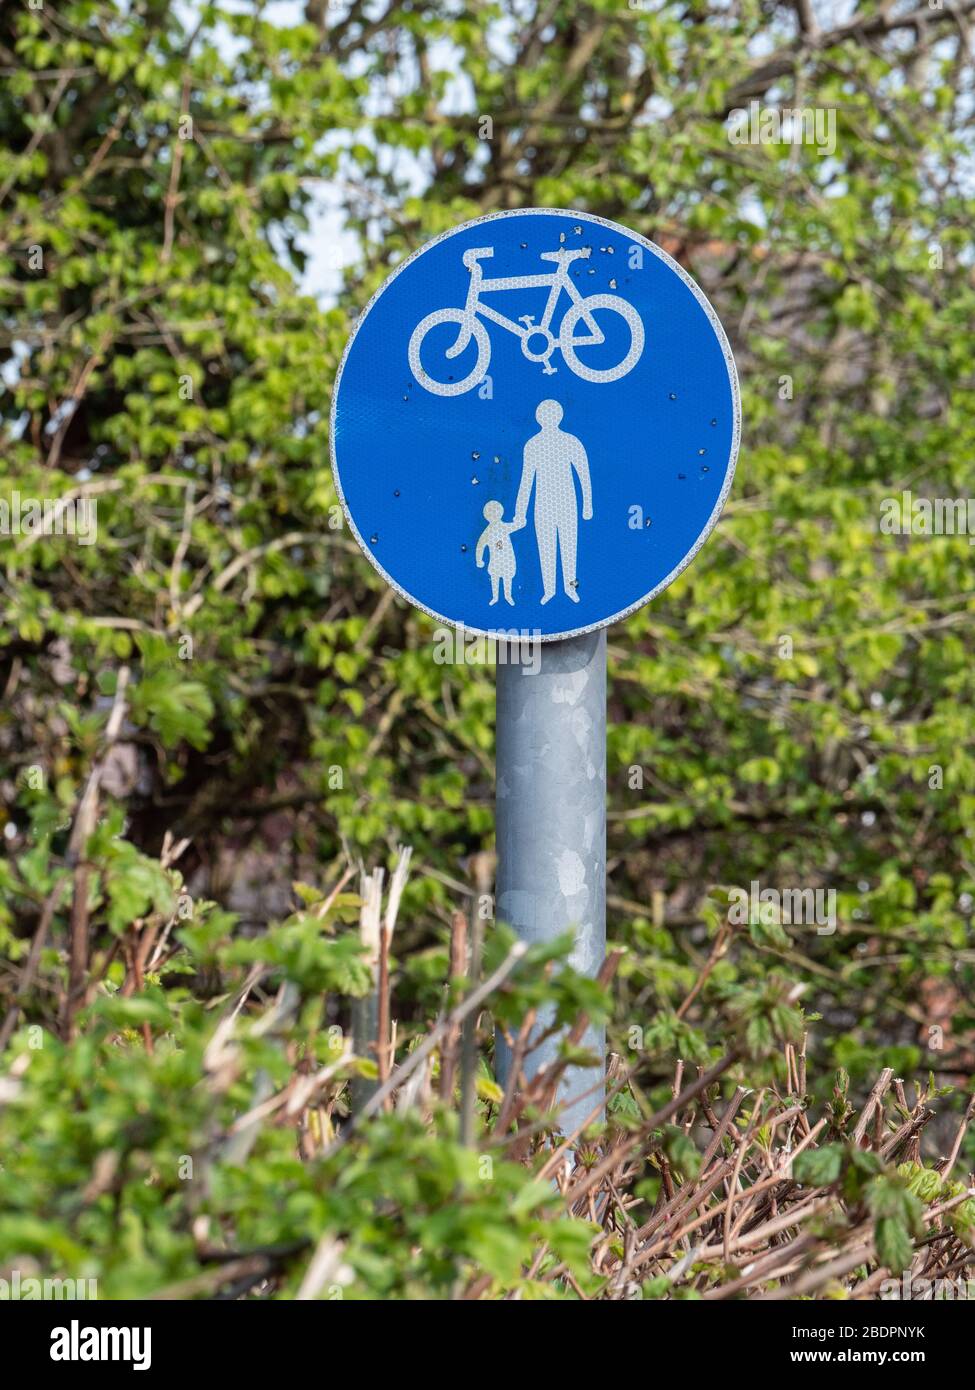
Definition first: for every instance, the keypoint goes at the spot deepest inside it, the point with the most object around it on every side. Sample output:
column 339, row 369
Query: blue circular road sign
column 535, row 424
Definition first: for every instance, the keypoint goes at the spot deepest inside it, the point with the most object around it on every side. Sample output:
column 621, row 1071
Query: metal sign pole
column 551, row 823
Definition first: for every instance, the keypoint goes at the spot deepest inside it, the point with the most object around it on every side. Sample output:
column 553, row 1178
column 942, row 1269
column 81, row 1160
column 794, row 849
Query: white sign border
column 500, row 633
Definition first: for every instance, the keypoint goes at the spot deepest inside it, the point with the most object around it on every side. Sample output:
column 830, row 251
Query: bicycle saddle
column 476, row 253
column 583, row 253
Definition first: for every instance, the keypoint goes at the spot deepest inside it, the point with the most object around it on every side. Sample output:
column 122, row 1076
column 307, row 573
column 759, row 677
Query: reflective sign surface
column 535, row 424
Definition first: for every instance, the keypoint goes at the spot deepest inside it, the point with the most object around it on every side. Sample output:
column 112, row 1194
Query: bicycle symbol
column 537, row 340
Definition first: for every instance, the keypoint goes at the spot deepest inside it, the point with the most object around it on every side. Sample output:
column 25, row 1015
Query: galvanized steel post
column 551, row 821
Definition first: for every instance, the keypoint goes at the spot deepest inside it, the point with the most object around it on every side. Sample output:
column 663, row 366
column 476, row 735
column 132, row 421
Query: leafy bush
column 216, row 698
column 182, row 1147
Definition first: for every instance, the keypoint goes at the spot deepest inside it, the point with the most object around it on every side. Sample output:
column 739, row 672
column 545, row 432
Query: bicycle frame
column 557, row 281
column 538, row 341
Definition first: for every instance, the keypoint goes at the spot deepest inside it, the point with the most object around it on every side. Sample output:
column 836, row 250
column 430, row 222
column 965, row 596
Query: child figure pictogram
column 496, row 539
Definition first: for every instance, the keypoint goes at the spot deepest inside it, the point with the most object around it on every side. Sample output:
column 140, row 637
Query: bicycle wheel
column 478, row 333
column 614, row 304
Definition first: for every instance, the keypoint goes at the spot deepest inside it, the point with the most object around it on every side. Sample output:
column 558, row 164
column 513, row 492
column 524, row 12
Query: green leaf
column 894, row 1246
column 818, row 1167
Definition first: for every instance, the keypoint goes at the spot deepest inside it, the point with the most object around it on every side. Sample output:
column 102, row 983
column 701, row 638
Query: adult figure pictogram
column 553, row 459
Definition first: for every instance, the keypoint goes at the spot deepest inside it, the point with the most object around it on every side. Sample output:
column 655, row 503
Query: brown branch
column 84, row 823
column 860, row 29
column 172, row 192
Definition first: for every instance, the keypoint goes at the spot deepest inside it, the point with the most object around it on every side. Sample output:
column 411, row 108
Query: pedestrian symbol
column 551, row 457
column 496, row 540
column 547, row 452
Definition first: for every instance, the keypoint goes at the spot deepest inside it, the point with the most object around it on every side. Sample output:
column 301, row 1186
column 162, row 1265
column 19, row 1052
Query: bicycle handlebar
column 583, row 253
column 476, row 253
